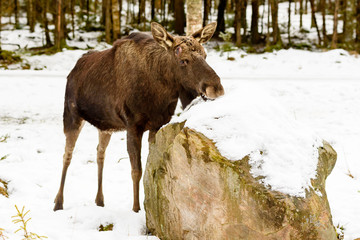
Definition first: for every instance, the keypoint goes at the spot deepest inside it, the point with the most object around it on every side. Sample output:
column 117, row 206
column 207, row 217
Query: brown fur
column 134, row 86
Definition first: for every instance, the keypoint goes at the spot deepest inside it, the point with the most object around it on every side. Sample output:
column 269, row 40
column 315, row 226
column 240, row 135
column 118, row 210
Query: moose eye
column 183, row 62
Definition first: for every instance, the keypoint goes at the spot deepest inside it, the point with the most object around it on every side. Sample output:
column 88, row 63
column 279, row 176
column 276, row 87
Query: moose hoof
column 136, row 209
column 58, row 206
column 99, row 201
column 58, row 203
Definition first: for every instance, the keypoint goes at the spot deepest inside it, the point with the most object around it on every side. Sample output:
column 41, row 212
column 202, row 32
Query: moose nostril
column 214, row 92
column 221, row 90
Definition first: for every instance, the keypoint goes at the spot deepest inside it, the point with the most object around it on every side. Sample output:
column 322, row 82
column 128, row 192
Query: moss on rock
column 192, row 191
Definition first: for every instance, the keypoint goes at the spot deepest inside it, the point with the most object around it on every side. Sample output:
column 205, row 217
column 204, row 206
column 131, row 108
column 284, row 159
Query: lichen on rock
column 193, row 192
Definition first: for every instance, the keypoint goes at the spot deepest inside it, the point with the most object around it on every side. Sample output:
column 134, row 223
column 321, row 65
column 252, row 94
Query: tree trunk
column 323, row 11
column 357, row 38
column 64, row 10
column 243, row 16
column 96, row 3
column 275, row 24
column 103, row 12
column 289, row 23
column 87, row 14
column 120, row 2
column 335, row 37
column 141, row 14
column 345, row 18
column 268, row 24
column 220, row 18
column 115, row 19
column 152, row 10
column 16, row 12
column 59, row 31
column 301, row 11
column 46, row 23
column 237, row 22
column 349, row 27
column 0, row 22
column 72, row 11
column 207, row 8
column 30, row 15
column 179, row 14
column 312, row 4
column 193, row 16
column 108, row 21
column 163, row 10
column 255, row 37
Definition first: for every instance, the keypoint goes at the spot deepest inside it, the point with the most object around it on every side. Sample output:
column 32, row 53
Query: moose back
column 134, row 86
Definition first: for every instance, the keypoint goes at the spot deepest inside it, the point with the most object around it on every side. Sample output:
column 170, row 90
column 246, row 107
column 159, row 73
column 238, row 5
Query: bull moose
column 134, row 86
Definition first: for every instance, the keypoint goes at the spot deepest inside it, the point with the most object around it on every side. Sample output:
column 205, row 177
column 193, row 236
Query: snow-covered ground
column 317, row 90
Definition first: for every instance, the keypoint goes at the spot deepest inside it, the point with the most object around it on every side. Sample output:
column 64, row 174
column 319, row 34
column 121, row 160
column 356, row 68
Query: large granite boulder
column 193, row 192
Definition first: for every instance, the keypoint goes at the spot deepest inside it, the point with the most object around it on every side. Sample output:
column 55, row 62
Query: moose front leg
column 134, row 137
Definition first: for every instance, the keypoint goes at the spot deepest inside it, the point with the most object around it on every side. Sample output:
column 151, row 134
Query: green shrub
column 8, row 57
column 108, row 227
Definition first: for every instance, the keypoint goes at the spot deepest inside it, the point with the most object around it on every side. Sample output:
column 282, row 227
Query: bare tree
column 107, row 21
column 152, row 10
column 45, row 4
column 274, row 21
column 301, row 11
column 116, row 18
column 179, row 14
column 30, row 15
column 237, row 22
column 323, row 12
column 268, row 24
column 289, row 22
column 243, row 16
column 348, row 23
column 0, row 21
column 312, row 4
column 334, row 36
column 59, row 26
column 255, row 37
column 357, row 38
column 16, row 12
column 220, row 18
column 141, row 13
column 207, row 8
column 193, row 16
column 72, row 12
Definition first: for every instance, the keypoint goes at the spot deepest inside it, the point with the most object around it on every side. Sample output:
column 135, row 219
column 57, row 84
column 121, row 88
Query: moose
column 134, row 86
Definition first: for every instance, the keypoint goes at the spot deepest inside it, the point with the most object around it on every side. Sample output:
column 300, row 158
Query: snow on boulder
column 239, row 167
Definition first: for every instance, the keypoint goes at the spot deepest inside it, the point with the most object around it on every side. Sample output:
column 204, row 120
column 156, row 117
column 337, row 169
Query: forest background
column 116, row 18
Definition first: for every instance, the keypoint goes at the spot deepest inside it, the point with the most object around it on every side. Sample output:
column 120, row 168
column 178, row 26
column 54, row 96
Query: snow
column 286, row 102
column 247, row 120
column 35, row 147
column 296, row 109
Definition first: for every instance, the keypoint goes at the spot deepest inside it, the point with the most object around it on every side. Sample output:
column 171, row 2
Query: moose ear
column 204, row 34
column 161, row 35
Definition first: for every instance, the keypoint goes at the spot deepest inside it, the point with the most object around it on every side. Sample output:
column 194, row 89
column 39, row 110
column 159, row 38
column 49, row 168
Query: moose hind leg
column 104, row 138
column 134, row 136
column 71, row 137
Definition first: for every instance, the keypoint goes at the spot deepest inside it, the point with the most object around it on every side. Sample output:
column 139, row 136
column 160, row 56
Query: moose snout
column 213, row 92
